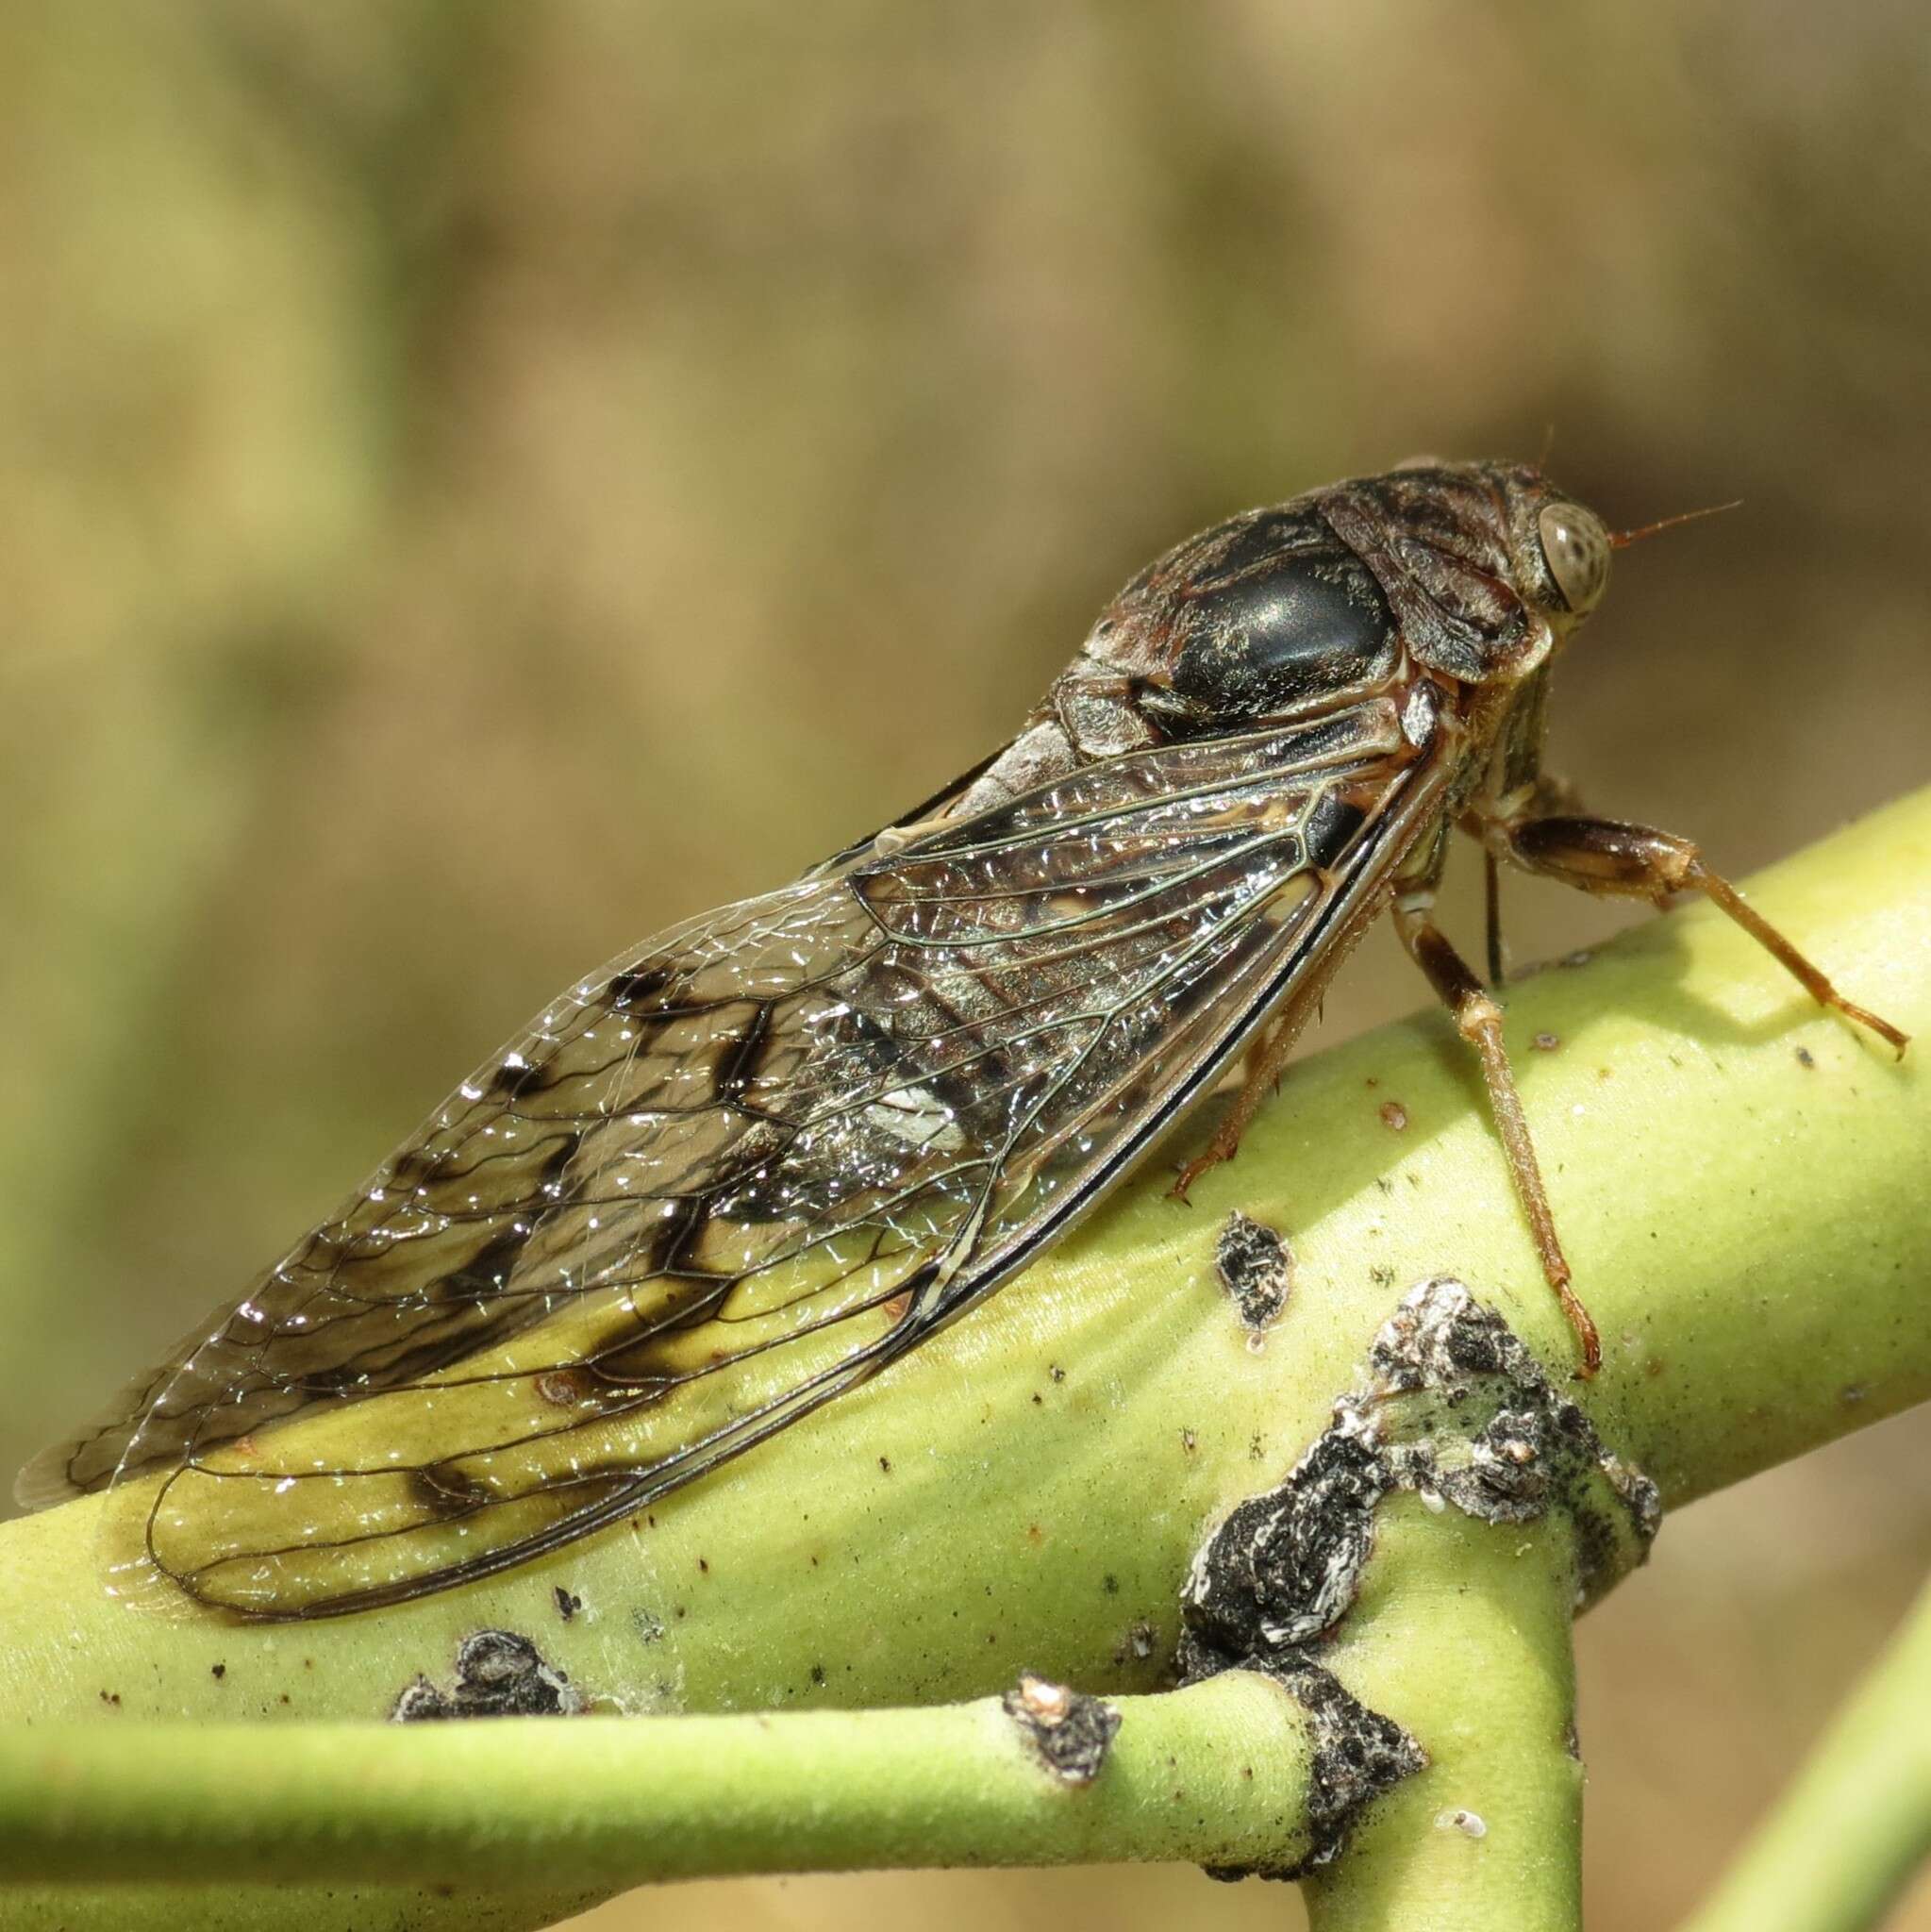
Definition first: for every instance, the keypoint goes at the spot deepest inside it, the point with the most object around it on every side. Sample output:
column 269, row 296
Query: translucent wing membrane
column 763, row 1154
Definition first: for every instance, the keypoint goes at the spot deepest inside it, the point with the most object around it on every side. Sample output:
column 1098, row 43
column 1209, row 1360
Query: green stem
column 1461, row 1635
column 619, row 1804
column 1847, row 1837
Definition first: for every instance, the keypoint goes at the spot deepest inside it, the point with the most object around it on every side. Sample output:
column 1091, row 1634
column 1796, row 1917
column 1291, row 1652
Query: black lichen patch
column 1068, row 1732
column 568, row 1603
column 1507, row 1476
column 1285, row 1566
column 1256, row 1266
column 498, row 1674
column 1358, row 1754
column 1454, row 1408
column 1538, row 1452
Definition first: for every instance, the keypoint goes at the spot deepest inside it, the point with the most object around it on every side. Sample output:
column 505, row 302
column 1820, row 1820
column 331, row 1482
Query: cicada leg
column 1269, row 1054
column 1541, row 797
column 1479, row 1020
column 1491, row 903
column 1613, row 859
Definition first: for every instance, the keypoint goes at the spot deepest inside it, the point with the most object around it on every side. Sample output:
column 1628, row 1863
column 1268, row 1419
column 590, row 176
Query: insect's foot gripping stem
column 1479, row 1020
column 1617, row 860
column 1224, row 1146
column 1588, row 1338
column 1262, row 1077
column 1715, row 887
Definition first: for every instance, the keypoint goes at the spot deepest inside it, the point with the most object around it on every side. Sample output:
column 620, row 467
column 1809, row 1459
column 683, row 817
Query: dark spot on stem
column 498, row 1674
column 1068, row 1732
column 1358, row 1754
column 1256, row 1266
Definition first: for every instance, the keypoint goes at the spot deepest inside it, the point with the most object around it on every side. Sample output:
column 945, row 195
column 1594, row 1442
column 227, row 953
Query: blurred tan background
column 480, row 481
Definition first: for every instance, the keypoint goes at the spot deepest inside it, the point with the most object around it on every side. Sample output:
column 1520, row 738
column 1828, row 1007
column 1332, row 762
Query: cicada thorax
column 1266, row 616
column 1413, row 585
column 1454, row 550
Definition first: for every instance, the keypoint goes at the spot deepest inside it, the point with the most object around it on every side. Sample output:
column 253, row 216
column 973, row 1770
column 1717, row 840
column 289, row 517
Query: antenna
column 1621, row 540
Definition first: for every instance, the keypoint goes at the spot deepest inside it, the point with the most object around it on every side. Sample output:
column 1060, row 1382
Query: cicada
column 768, row 1152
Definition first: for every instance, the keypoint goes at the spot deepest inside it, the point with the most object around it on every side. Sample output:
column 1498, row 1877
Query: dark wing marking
column 744, row 1168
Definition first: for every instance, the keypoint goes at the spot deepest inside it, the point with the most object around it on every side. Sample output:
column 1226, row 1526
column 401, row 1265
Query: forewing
column 737, row 1172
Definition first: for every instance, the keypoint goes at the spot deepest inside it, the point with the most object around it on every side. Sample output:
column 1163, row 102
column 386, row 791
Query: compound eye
column 1576, row 548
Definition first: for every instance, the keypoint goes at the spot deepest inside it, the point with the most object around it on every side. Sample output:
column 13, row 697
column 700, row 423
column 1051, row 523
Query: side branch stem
column 1215, row 1774
column 1462, row 1635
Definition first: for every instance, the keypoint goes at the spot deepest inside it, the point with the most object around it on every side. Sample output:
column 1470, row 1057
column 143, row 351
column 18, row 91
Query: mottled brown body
column 772, row 1149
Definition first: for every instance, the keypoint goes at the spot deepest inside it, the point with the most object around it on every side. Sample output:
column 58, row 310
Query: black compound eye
column 1277, row 638
column 1576, row 549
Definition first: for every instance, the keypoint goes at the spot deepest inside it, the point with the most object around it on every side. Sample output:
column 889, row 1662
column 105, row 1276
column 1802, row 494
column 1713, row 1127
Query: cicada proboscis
column 772, row 1149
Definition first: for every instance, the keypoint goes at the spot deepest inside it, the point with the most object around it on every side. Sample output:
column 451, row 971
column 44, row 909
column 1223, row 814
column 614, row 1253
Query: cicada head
column 1559, row 550
column 1491, row 565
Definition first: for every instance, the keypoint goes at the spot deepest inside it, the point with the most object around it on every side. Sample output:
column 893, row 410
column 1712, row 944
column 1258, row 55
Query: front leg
column 1617, row 860
column 1479, row 1020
